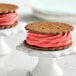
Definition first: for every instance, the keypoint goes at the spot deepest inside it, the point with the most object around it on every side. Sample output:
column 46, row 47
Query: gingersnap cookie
column 47, row 49
column 49, row 36
column 8, row 15
column 7, row 8
column 49, row 28
column 9, row 26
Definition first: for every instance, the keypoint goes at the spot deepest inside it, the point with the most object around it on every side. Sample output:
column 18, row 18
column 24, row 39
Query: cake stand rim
column 34, row 52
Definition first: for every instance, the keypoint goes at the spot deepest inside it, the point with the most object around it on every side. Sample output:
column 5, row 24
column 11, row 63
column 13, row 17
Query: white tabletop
column 19, row 62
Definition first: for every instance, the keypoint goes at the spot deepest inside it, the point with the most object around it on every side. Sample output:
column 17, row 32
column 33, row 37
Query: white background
column 18, row 62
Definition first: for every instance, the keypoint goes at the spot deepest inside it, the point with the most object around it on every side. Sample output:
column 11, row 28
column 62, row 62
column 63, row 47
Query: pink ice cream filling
column 47, row 40
column 8, row 19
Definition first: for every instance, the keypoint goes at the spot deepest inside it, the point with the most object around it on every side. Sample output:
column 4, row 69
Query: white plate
column 63, row 6
column 53, row 10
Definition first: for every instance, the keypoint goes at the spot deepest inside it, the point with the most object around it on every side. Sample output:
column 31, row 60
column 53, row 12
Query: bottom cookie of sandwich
column 8, row 26
column 49, row 48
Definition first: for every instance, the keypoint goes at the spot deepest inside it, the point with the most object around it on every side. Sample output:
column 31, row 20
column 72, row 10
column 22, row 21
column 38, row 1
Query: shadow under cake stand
column 47, row 60
column 4, row 48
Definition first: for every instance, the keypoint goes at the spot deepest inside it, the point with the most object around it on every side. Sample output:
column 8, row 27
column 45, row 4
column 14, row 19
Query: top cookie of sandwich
column 6, row 8
column 49, row 28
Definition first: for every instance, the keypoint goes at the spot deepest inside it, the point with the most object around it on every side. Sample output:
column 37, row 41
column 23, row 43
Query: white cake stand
column 47, row 60
column 4, row 48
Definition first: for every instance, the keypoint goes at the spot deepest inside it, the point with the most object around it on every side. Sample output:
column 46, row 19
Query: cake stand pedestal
column 47, row 60
column 4, row 48
column 47, row 67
